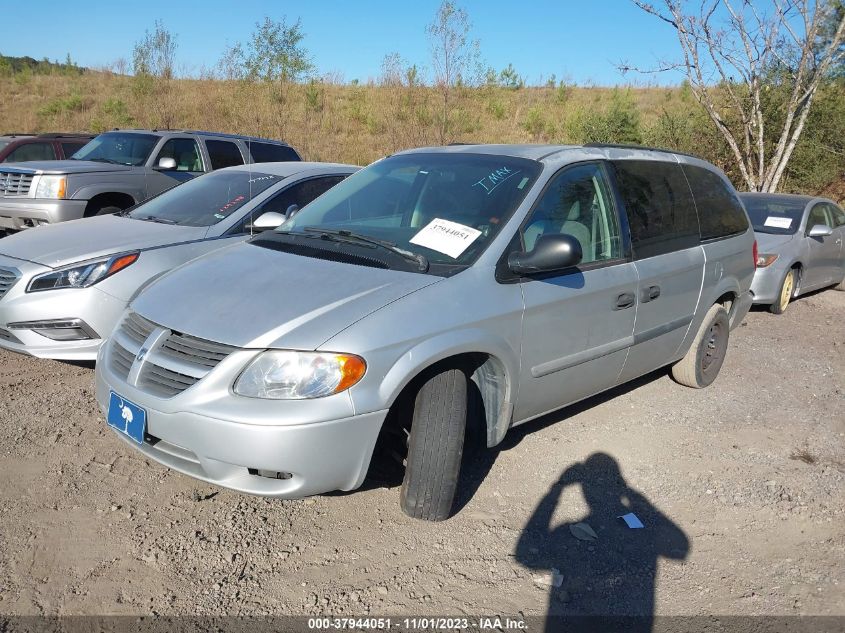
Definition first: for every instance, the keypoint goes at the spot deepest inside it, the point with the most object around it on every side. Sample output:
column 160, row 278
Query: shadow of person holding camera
column 608, row 582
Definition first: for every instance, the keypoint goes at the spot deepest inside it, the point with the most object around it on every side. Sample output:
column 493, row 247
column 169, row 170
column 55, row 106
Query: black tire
column 703, row 360
column 786, row 292
column 436, row 447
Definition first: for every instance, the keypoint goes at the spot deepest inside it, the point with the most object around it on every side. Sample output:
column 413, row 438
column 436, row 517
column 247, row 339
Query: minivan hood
column 65, row 243
column 254, row 297
column 766, row 242
column 64, row 166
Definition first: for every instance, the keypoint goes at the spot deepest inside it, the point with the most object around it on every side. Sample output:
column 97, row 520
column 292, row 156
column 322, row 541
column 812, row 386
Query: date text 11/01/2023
column 494, row 623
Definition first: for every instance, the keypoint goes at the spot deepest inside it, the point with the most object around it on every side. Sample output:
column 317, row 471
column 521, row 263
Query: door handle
column 649, row 294
column 625, row 300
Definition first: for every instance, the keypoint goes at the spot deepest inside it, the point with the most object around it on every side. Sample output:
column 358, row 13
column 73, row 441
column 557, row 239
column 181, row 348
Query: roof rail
column 645, row 147
column 63, row 134
column 17, row 134
column 205, row 133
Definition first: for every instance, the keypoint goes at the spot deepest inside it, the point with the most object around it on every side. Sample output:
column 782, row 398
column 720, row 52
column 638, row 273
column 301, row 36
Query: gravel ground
column 740, row 487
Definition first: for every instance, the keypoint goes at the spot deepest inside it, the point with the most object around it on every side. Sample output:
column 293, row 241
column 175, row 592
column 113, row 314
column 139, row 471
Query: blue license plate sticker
column 127, row 417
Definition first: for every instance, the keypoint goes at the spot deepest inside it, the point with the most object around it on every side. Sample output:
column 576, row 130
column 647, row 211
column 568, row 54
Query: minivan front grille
column 8, row 278
column 176, row 363
column 15, row 183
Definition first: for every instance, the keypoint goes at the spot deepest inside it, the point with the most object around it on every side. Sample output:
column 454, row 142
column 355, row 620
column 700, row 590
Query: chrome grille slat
column 171, row 367
column 15, row 183
column 8, row 278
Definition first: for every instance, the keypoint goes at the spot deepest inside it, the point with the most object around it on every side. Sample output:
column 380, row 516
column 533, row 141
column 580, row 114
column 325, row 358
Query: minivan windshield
column 773, row 214
column 445, row 206
column 118, row 148
column 205, row 200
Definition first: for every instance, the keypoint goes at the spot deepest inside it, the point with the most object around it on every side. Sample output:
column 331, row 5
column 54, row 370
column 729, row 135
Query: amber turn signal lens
column 764, row 260
column 122, row 262
column 352, row 369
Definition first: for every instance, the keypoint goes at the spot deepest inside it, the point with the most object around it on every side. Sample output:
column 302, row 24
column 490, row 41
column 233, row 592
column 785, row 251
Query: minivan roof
column 540, row 152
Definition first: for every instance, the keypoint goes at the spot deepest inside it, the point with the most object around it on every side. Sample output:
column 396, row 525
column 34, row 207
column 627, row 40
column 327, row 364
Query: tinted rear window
column 269, row 153
column 720, row 212
column 223, row 154
column 659, row 205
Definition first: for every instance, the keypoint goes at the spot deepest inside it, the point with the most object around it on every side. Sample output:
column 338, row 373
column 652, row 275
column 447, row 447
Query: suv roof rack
column 62, row 134
column 17, row 134
column 203, row 132
column 645, row 147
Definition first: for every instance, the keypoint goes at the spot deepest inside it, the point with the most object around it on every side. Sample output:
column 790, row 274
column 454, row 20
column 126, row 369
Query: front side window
column 223, row 154
column 71, row 147
column 577, row 202
column 118, row 148
column 445, row 206
column 184, row 151
column 660, row 209
column 818, row 215
column 773, row 214
column 720, row 212
column 32, row 151
column 205, row 200
column 837, row 215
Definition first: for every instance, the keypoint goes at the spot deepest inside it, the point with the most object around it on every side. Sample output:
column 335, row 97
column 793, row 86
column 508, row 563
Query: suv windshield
column 775, row 215
column 205, row 200
column 445, row 206
column 121, row 149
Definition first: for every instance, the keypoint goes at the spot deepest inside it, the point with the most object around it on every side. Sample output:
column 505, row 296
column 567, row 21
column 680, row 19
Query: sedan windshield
column 205, row 200
column 771, row 214
column 118, row 148
column 446, row 207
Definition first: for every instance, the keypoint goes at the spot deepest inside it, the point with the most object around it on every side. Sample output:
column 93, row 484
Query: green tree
column 275, row 53
column 155, row 54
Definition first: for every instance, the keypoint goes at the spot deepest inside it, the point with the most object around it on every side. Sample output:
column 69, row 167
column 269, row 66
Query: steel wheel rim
column 786, row 291
column 713, row 352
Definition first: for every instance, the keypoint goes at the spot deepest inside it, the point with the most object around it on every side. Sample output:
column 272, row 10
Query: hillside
column 360, row 123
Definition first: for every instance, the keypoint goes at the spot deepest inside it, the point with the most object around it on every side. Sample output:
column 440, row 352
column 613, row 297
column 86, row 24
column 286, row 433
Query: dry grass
column 325, row 122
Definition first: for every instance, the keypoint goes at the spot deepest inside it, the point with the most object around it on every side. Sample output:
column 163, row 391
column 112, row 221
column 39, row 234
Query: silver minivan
column 435, row 289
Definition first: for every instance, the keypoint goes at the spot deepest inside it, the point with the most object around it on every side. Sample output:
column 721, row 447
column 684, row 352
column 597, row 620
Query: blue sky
column 580, row 41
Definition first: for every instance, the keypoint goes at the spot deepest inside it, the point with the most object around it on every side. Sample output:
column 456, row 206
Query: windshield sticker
column 495, row 178
column 522, row 183
column 230, row 206
column 446, row 237
column 778, row 223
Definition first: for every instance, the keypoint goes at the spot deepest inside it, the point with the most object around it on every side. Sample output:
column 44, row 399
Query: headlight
column 283, row 375
column 764, row 260
column 51, row 187
column 82, row 275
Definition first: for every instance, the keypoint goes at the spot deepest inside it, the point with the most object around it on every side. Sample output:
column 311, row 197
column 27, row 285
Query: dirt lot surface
column 741, row 487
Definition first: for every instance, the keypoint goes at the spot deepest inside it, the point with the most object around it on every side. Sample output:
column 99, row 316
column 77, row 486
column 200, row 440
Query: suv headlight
column 82, row 275
column 51, row 187
column 287, row 375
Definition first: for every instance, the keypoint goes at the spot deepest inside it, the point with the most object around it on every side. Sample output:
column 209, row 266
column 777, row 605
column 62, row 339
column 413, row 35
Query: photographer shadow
column 608, row 583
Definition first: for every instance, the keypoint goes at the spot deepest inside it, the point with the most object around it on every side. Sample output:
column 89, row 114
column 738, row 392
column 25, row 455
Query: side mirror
column 551, row 253
column 267, row 221
column 166, row 164
column 820, row 230
column 291, row 211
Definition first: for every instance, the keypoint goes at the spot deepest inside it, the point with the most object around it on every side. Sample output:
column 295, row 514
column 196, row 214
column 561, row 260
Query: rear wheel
column 436, row 446
column 705, row 356
column 787, row 290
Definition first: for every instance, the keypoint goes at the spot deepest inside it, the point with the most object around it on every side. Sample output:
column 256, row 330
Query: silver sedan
column 799, row 244
column 63, row 287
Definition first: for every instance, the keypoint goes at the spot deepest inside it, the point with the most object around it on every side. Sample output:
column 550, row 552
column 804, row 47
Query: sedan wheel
column 787, row 290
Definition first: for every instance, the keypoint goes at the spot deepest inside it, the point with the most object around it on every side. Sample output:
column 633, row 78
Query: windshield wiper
column 342, row 235
column 108, row 160
column 152, row 218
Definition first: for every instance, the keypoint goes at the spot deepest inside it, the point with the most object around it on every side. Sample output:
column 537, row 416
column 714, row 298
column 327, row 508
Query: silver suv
column 432, row 290
column 119, row 169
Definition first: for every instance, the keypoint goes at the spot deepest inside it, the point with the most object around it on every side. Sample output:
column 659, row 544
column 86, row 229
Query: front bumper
column 316, row 457
column 766, row 284
column 17, row 214
column 99, row 310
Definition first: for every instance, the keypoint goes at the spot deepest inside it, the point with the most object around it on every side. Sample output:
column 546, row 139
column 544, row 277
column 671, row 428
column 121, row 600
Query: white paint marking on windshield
column 495, row 178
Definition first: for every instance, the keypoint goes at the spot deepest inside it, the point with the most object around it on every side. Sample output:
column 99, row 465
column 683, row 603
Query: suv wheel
column 104, row 208
column 705, row 356
column 436, row 446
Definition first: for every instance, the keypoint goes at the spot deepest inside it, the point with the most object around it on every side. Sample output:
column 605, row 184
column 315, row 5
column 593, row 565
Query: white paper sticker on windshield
column 778, row 223
column 446, row 237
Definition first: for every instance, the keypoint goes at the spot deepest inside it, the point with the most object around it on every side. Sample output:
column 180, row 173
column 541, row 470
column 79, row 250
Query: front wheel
column 705, row 356
column 787, row 289
column 436, row 446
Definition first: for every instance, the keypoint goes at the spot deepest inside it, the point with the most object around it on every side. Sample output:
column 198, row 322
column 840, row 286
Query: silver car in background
column 799, row 244
column 63, row 287
column 435, row 289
